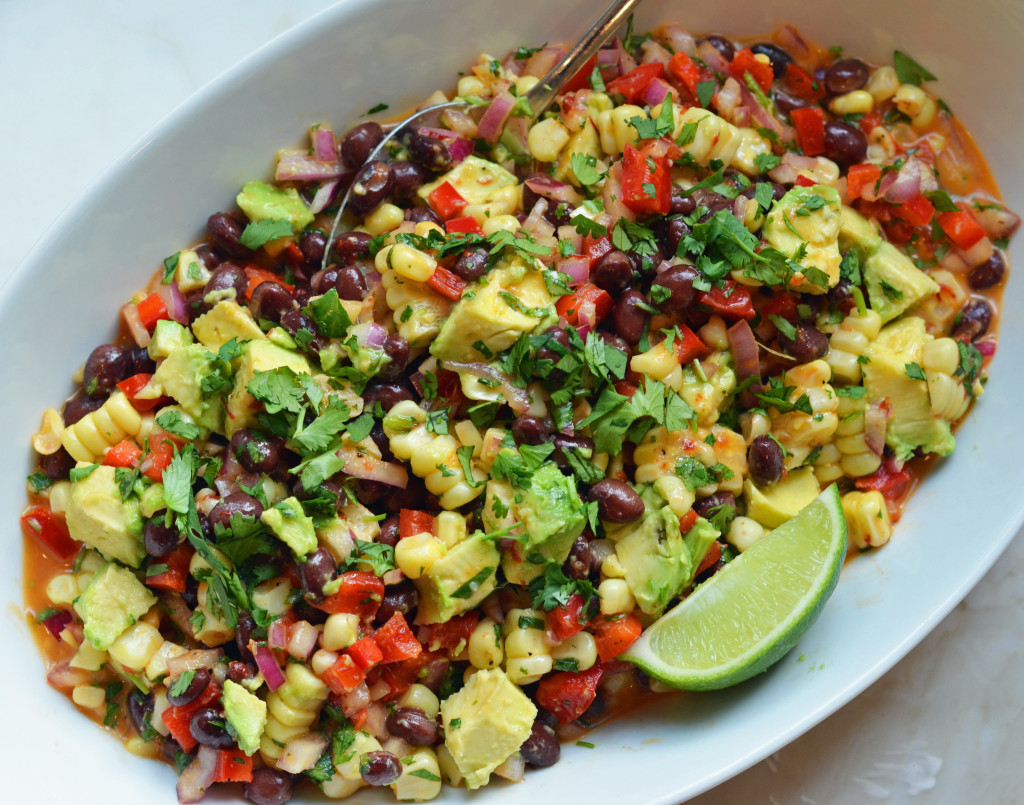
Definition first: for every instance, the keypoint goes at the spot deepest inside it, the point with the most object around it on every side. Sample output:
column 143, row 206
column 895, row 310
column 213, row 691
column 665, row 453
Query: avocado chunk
column 655, row 558
column 489, row 318
column 894, row 283
column 261, row 201
column 804, row 224
column 458, row 581
column 773, row 505
column 484, row 723
column 476, row 180
column 114, row 600
column 98, row 517
column 168, row 335
column 858, row 233
column 257, row 356
column 552, row 515
column 291, row 525
column 246, row 713
column 225, row 321
column 181, row 375
column 911, row 424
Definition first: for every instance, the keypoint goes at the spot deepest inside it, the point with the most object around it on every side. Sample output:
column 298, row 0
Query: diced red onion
column 360, row 465
column 762, row 117
column 63, row 677
column 173, row 301
column 493, row 121
column 608, row 62
column 191, row 660
column 323, row 196
column 459, row 147
column 569, row 233
column 576, row 267
column 267, row 664
column 379, row 690
column 536, row 223
column 297, row 164
column 586, row 314
column 197, row 777
column 657, row 91
column 626, row 60
column 541, row 62
column 744, row 350
column 513, row 65
column 793, row 43
column 679, row 39
column 906, row 186
column 553, row 190
column 369, row 334
column 876, row 191
column 653, row 52
column 791, row 166
column 513, row 768
column 355, row 700
column 998, row 222
column 302, row 753
column 712, row 57
column 277, row 634
column 56, row 623
column 876, row 417
column 376, row 715
column 130, row 314
column 612, row 196
column 517, row 398
column 325, row 146
column 729, row 103
column 459, row 122
column 302, row 637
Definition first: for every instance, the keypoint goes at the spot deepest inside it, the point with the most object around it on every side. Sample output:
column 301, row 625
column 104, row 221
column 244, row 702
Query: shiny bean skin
column 105, row 367
column 580, row 562
column 389, row 533
column 158, row 538
column 268, row 787
column 678, row 282
column 846, row 75
column 397, row 349
column 270, row 301
column 542, row 748
column 227, row 276
column 138, row 360
column 765, row 460
column 721, row 44
column 989, row 273
column 200, row 681
column 628, row 318
column 351, row 246
column 973, row 320
column 529, row 429
column 787, row 102
column 140, row 710
column 430, row 152
column 78, row 405
column 779, row 58
column 379, row 768
column 552, row 352
column 371, row 186
column 408, row 178
column 412, row 725
column 387, row 394
column 256, row 452
column 613, row 272
column 350, row 284
column 243, row 633
column 565, row 441
column 313, row 245
column 421, row 215
column 617, row 501
column 675, row 230
column 402, row 597
column 681, row 204
column 809, row 345
column 318, row 569
column 471, row 264
column 711, row 505
column 236, row 503
column 58, row 465
column 359, row 142
column 845, row 144
column 225, row 232
column 208, row 727
column 323, row 280
column 295, row 321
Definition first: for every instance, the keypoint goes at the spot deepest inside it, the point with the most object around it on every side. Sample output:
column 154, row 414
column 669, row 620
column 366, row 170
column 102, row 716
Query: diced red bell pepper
column 783, row 304
column 358, row 593
column 582, row 78
column 916, row 212
column 344, row 676
column 746, row 62
column 233, row 766
column 809, row 122
column 567, row 695
column 615, row 636
column 176, row 576
column 396, row 640
column 802, row 84
column 464, row 223
column 565, row 621
column 359, row 719
column 633, row 84
column 446, row 201
column 151, row 310
column 686, row 522
column 414, row 521
column 625, row 388
column 732, row 301
column 646, row 182
column 870, row 122
column 133, row 385
column 365, row 652
column 50, row 531
column 157, row 460
column 123, row 454
column 400, row 675
column 257, row 276
column 688, row 346
column 572, row 305
column 446, row 283
column 713, row 555
column 292, row 254
column 452, row 636
column 859, row 177
column 803, row 181
column 177, row 718
column 961, row 227
column 596, row 248
column 685, row 72
column 891, row 481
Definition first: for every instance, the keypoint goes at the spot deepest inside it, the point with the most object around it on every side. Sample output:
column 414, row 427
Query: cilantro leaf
column 257, row 233
column 332, row 320
column 554, row 589
column 914, row 371
column 172, row 422
column 584, row 167
column 705, row 92
column 909, row 71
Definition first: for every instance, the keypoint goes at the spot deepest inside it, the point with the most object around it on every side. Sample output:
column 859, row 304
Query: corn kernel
column 321, row 660
column 134, row 648
column 383, row 219
column 910, row 100
column 88, row 696
column 341, row 630
column 485, row 646
column 406, row 261
column 883, row 83
column 415, row 555
column 470, row 85
column 858, row 102
column 422, row 698
column 546, row 139
column 424, row 228
column 581, row 647
column 88, row 657
column 62, row 589
column 744, row 532
column 500, row 223
column 525, row 670
column 451, row 528
column 616, row 597
column 46, row 440
column 924, row 118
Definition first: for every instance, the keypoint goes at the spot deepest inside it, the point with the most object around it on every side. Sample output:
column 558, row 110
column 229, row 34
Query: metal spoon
column 539, row 96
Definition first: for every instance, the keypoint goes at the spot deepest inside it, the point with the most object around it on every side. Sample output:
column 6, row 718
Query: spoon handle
column 544, row 92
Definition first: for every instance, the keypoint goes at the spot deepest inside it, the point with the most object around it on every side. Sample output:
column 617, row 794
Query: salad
column 387, row 508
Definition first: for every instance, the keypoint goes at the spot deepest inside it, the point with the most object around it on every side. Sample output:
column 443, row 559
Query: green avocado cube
column 261, row 201
column 246, row 713
column 804, row 224
column 114, row 600
column 291, row 525
column 168, row 336
column 183, row 374
column 657, row 564
column 97, row 517
column 458, row 581
column 894, row 283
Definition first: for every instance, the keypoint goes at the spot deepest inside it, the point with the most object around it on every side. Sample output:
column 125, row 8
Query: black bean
column 209, row 256
column 397, row 349
column 408, row 177
column 227, row 276
column 846, row 75
column 678, row 284
column 236, row 503
column 359, row 142
column 379, row 768
column 430, row 152
column 555, row 347
column 472, row 263
column 845, row 143
column 255, row 452
column 370, row 187
column 613, row 272
column 369, row 492
column 721, row 44
column 414, row 496
column 412, row 725
column 387, row 394
column 718, row 503
column 615, row 342
column 617, row 501
column 580, row 562
column 542, row 748
column 989, row 273
column 318, row 569
column 628, row 318
column 209, row 727
column 139, row 361
column 239, row 671
column 295, row 322
column 140, row 710
column 973, row 320
column 350, row 284
column 402, row 597
column 420, row 215
column 682, row 203
column 78, row 405
column 225, row 232
column 268, row 787
column 160, row 539
column 841, row 295
column 313, row 245
column 193, row 690
column 352, row 246
column 787, row 102
column 58, row 465
column 779, row 58
column 529, row 429
column 270, row 301
column 389, row 531
column 566, row 441
column 104, row 369
column 765, row 460
column 809, row 344
column 675, row 230
column 243, row 634
column 595, row 712
column 323, row 280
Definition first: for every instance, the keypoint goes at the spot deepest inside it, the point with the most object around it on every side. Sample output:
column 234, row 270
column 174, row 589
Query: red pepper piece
column 614, row 637
column 633, row 84
column 446, row 201
column 745, row 62
column 732, row 301
column 396, row 641
column 646, row 182
column 809, row 122
column 565, row 621
column 358, row 593
column 447, row 284
column 50, row 531
column 567, row 695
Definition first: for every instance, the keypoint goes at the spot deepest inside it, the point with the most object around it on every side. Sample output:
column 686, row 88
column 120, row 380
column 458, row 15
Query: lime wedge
column 755, row 609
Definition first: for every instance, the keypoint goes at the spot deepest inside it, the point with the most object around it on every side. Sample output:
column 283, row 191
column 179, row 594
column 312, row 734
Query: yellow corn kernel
column 500, row 223
column 525, row 83
column 406, row 261
column 744, row 532
column 415, row 555
column 420, row 779
column 526, row 670
column 136, row 646
column 714, row 333
column 62, row 589
column 580, row 647
column 677, row 494
column 546, row 139
column 383, row 219
column 321, row 660
column 616, row 130
column 867, row 519
column 468, row 434
column 422, row 698
column 616, row 597
column 273, row 595
column 46, row 440
column 424, row 228
column 88, row 696
column 859, row 464
column 341, row 630
column 882, row 84
column 924, row 118
column 485, row 646
column 910, row 100
column 612, row 568
column 451, row 528
column 88, row 657
column 941, row 355
column 470, row 85
column 858, row 102
column 156, row 668
column 657, row 362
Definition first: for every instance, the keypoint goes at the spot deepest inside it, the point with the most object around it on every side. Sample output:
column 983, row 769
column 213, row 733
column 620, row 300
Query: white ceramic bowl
column 334, row 68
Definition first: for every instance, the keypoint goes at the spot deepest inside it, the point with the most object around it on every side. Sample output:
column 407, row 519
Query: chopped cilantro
column 909, row 71
column 257, row 233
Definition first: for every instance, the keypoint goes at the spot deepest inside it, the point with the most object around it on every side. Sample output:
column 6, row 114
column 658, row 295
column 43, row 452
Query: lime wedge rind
column 751, row 613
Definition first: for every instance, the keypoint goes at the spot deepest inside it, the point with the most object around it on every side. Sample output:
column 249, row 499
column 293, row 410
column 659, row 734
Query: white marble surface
column 84, row 81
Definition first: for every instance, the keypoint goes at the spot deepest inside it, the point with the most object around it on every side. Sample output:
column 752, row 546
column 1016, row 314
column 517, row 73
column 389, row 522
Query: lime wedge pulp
column 753, row 611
